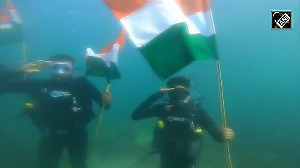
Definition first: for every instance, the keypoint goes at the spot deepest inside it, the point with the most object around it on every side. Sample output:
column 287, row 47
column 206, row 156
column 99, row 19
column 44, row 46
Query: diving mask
column 59, row 68
column 180, row 93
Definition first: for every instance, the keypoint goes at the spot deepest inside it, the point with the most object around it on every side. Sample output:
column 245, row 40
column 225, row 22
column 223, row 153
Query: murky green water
column 260, row 70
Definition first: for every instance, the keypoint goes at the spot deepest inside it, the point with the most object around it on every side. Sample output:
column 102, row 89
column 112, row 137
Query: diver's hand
column 35, row 67
column 164, row 90
column 228, row 133
column 106, row 99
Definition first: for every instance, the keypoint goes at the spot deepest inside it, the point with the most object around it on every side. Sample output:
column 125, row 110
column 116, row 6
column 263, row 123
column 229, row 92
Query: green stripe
column 11, row 35
column 96, row 67
column 176, row 48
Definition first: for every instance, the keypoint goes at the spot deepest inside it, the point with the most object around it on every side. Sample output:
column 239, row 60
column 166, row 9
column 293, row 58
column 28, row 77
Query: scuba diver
column 178, row 133
column 62, row 109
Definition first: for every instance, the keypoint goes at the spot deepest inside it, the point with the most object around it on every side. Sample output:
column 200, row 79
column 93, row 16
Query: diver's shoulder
column 83, row 81
column 36, row 80
column 80, row 79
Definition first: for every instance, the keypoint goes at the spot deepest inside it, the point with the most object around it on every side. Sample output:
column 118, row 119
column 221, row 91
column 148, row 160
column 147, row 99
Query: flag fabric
column 104, row 63
column 10, row 23
column 170, row 34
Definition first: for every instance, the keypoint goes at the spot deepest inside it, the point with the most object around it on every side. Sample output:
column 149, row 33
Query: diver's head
column 62, row 66
column 179, row 89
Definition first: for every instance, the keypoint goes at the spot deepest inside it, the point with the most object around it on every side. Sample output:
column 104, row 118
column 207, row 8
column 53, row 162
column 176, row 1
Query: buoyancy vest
column 180, row 130
column 180, row 121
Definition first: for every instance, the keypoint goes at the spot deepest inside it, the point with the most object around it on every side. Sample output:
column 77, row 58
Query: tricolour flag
column 169, row 33
column 104, row 63
column 10, row 23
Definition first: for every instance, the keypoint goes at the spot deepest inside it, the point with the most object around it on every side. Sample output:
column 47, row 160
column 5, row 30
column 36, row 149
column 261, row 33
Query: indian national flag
column 169, row 33
column 10, row 23
column 104, row 63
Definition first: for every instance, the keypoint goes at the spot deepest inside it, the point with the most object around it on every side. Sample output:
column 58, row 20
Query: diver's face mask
column 61, row 69
column 179, row 94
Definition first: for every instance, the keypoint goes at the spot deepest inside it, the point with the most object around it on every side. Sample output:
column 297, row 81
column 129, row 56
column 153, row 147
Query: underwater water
column 260, row 72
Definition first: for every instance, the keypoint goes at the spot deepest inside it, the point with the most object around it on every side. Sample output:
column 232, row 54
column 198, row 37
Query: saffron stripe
column 123, row 8
column 190, row 7
column 151, row 20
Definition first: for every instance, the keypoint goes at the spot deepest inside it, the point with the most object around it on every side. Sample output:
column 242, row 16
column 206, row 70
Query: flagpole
column 102, row 109
column 223, row 110
column 24, row 52
column 107, row 90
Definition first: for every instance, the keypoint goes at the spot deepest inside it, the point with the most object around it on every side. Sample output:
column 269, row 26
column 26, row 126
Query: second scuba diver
column 178, row 133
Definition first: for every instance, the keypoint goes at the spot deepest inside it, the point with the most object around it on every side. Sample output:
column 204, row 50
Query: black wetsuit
column 66, row 108
column 7, row 73
column 178, row 142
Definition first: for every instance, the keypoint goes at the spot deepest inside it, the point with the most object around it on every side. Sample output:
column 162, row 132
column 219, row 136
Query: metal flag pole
column 223, row 110
column 24, row 52
column 107, row 90
column 221, row 95
column 101, row 110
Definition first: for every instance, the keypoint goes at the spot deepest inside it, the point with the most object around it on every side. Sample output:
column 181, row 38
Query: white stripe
column 15, row 17
column 201, row 22
column 106, row 57
column 151, row 20
column 6, row 26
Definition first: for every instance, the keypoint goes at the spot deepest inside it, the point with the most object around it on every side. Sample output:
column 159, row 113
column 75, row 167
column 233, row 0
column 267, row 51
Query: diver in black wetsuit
column 62, row 107
column 178, row 134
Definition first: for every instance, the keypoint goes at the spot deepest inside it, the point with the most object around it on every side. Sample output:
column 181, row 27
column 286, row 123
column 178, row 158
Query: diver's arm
column 7, row 74
column 210, row 125
column 13, row 81
column 145, row 109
